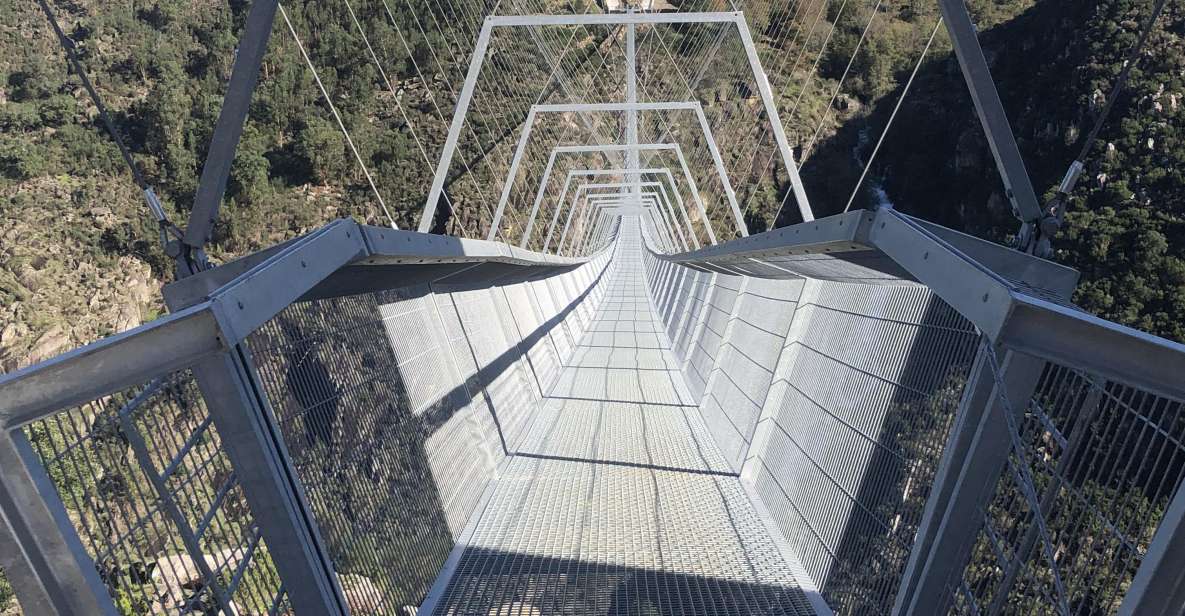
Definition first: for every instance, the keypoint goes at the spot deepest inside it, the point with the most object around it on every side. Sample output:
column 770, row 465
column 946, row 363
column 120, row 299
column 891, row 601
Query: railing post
column 1159, row 586
column 39, row 548
column 255, row 446
column 974, row 456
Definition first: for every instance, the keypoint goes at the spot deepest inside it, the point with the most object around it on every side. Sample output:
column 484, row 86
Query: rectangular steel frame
column 583, row 205
column 675, row 203
column 576, row 211
column 483, row 41
column 528, row 127
column 604, row 149
column 645, row 202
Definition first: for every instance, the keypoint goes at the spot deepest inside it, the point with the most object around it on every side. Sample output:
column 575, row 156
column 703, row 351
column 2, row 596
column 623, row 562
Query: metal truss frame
column 675, row 204
column 605, row 208
column 736, row 18
column 648, row 202
column 605, row 149
column 657, row 200
column 1018, row 187
column 579, row 198
column 529, row 125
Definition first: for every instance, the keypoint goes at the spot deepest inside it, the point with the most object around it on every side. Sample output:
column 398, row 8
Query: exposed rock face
column 363, row 596
column 179, row 577
column 57, row 289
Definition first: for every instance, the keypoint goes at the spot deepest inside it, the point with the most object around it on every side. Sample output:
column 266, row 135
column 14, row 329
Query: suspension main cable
column 154, row 204
column 893, row 116
column 336, row 115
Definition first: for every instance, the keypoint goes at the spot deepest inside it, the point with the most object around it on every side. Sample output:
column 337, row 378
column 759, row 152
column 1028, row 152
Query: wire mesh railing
column 364, row 391
column 150, row 491
column 399, row 406
column 1086, row 484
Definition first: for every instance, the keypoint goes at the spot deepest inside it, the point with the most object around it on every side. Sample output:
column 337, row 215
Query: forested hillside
column 1055, row 64
column 80, row 257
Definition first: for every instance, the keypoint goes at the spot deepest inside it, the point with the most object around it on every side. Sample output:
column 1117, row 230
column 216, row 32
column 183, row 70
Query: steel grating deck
column 617, row 501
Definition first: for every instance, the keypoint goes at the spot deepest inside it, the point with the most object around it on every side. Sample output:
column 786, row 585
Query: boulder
column 362, row 595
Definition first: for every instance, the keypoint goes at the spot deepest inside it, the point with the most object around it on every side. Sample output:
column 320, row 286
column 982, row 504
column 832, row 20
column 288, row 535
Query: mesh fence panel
column 154, row 499
column 868, row 391
column 842, row 439
column 339, row 374
column 398, row 406
column 1105, row 460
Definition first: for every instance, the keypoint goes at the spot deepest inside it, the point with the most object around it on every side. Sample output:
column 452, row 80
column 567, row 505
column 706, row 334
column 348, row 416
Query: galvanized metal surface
column 1103, row 461
column 617, row 500
column 156, row 504
column 399, row 406
column 833, row 400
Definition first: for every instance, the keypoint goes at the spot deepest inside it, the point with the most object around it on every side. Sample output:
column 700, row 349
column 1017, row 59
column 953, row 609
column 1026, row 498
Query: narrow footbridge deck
column 618, row 500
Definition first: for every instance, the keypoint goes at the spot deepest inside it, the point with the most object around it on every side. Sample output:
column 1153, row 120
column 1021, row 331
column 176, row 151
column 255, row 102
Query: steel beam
column 1017, row 185
column 579, row 215
column 231, row 119
column 255, row 445
column 508, row 185
column 538, row 200
column 53, row 575
column 613, row 19
column 667, row 200
column 631, row 97
column 454, row 131
column 592, row 202
column 775, row 122
column 1158, row 588
column 650, row 202
column 1020, row 321
column 975, row 454
column 114, row 363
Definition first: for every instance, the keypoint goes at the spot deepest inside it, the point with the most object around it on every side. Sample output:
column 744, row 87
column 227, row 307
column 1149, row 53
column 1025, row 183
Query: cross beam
column 676, row 203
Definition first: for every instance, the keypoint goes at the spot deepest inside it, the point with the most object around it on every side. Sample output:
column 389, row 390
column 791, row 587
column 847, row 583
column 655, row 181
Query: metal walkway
column 618, row 501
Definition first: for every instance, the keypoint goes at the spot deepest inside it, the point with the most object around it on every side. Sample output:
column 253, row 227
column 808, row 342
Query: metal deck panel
column 617, row 500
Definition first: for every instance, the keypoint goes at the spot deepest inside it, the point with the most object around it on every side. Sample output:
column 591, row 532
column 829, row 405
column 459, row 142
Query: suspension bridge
column 583, row 386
